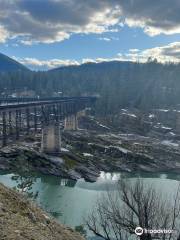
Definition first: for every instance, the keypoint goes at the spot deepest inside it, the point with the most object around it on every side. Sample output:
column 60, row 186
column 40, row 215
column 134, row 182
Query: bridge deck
column 19, row 103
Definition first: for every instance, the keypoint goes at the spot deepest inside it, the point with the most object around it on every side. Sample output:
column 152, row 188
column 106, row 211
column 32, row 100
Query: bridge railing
column 37, row 99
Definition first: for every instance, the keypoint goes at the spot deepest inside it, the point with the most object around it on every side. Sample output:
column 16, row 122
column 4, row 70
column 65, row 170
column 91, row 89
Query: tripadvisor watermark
column 139, row 231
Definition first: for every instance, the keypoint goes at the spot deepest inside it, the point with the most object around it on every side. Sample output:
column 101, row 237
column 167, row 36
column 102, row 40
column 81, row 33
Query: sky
column 45, row 34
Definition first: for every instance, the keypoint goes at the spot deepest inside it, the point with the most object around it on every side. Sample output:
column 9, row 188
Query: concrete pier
column 51, row 139
column 71, row 122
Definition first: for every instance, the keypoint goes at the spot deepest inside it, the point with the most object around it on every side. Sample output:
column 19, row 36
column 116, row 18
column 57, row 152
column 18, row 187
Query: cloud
column 35, row 63
column 133, row 50
column 55, row 20
column 108, row 39
column 38, row 64
column 163, row 54
column 155, row 17
column 3, row 34
column 105, row 39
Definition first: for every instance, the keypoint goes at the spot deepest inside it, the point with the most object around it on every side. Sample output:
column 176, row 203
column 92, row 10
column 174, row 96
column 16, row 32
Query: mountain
column 118, row 84
column 8, row 64
column 121, row 84
column 113, row 65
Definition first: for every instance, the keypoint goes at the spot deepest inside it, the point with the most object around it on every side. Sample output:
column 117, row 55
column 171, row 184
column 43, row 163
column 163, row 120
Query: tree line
column 118, row 84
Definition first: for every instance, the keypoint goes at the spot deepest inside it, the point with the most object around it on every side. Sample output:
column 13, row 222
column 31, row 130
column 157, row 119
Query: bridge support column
column 10, row 124
column 17, row 125
column 27, row 121
column 35, row 119
column 20, row 119
column 71, row 122
column 4, row 139
column 51, row 139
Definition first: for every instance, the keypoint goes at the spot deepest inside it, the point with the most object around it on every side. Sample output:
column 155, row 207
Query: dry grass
column 22, row 220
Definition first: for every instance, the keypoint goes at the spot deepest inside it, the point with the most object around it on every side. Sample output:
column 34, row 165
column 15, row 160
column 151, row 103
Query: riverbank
column 86, row 152
column 20, row 219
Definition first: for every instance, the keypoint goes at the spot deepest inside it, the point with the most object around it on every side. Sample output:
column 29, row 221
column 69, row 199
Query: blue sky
column 51, row 33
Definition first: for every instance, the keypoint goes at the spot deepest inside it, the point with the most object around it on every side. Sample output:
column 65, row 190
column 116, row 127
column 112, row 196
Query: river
column 71, row 201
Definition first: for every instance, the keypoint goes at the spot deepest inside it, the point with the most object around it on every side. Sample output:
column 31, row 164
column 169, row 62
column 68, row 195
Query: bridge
column 19, row 116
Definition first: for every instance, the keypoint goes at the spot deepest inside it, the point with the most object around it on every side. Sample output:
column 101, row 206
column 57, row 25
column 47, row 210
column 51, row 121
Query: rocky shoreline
column 20, row 160
column 95, row 148
column 85, row 154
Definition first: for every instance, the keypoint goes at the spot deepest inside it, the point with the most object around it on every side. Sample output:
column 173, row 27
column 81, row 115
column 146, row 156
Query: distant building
column 57, row 94
column 25, row 93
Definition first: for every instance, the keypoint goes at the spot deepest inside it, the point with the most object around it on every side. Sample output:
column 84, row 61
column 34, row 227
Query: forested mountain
column 9, row 64
column 124, row 84
column 119, row 84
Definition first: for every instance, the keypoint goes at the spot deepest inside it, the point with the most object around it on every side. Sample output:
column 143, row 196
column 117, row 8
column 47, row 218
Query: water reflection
column 70, row 201
column 117, row 176
column 56, row 181
column 110, row 176
column 24, row 184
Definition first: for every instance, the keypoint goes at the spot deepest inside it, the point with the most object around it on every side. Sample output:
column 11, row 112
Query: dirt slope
column 22, row 220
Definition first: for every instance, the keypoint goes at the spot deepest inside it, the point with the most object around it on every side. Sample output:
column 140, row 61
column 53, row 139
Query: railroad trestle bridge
column 25, row 116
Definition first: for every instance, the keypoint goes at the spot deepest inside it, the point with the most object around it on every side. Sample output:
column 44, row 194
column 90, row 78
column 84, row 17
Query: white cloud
column 105, row 39
column 35, row 63
column 108, row 39
column 167, row 53
column 164, row 54
column 45, row 64
column 133, row 50
column 3, row 34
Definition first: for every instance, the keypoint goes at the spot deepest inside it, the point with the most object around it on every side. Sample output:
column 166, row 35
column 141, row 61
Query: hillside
column 9, row 64
column 113, row 65
column 20, row 220
column 119, row 84
column 122, row 84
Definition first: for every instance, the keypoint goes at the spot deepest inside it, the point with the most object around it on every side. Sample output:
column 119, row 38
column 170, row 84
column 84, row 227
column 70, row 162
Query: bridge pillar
column 10, row 123
column 71, row 122
column 17, row 124
column 4, row 139
column 27, row 121
column 51, row 139
column 35, row 119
